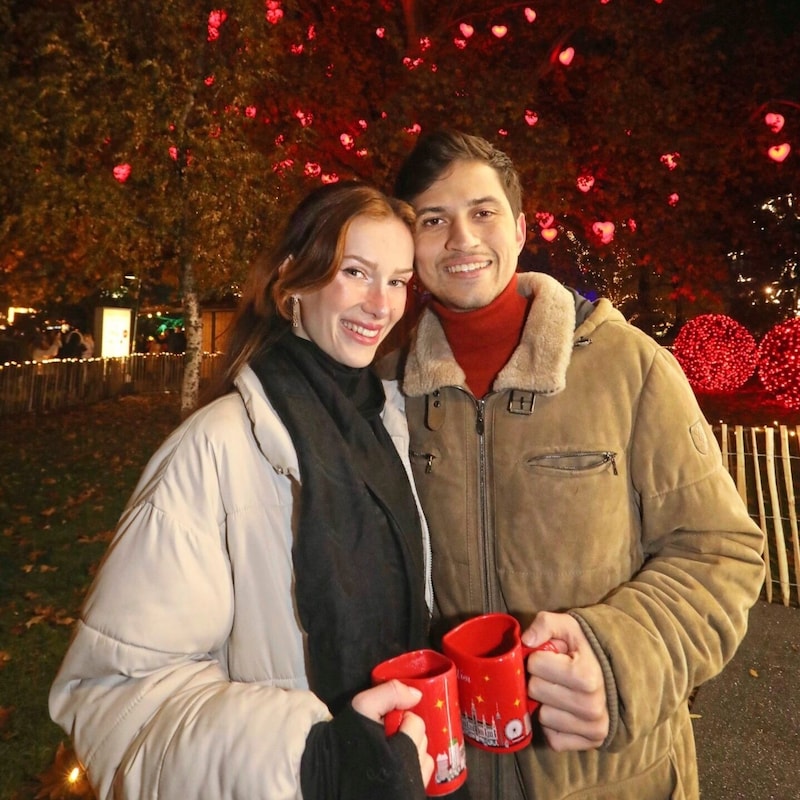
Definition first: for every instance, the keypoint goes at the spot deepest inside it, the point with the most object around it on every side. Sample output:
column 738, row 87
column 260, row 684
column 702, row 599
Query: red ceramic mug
column 435, row 676
column 492, row 685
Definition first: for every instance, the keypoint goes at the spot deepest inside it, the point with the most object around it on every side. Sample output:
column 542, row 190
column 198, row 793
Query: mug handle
column 392, row 721
column 551, row 647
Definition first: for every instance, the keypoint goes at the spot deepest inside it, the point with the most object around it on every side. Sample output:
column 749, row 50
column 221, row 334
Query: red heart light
column 604, row 231
column 499, row 31
column 544, row 219
column 779, row 152
column 466, row 30
column 566, row 56
column 531, row 117
column 585, row 182
column 548, row 234
column 530, row 14
column 774, row 122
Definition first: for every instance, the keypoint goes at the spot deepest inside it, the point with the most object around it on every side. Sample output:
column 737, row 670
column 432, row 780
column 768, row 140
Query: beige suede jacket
column 587, row 480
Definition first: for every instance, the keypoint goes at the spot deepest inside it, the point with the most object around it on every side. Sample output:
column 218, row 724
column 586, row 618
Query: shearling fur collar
column 539, row 364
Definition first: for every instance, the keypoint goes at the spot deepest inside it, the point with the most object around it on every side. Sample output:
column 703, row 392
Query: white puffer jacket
column 186, row 676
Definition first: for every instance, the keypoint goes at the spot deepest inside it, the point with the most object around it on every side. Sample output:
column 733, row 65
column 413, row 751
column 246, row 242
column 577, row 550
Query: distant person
column 88, row 345
column 47, row 346
column 569, row 478
column 176, row 340
column 71, row 345
column 273, row 551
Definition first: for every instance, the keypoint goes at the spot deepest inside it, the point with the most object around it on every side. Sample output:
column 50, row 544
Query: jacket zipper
column 483, row 482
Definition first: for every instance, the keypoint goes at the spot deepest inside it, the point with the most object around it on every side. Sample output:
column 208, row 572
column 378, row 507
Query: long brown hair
column 306, row 258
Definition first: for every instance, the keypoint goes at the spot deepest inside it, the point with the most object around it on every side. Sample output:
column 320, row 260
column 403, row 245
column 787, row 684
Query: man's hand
column 569, row 684
column 377, row 702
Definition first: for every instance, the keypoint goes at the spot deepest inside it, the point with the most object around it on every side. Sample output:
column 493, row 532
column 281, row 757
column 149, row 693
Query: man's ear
column 522, row 232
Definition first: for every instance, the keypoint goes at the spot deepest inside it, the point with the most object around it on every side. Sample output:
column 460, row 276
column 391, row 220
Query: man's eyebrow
column 477, row 201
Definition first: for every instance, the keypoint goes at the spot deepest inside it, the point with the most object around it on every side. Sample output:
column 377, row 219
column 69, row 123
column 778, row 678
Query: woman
column 273, row 551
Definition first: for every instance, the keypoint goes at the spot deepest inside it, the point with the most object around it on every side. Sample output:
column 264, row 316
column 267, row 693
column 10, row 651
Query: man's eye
column 431, row 222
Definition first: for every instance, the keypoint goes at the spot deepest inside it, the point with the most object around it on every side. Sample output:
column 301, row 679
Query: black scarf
column 358, row 560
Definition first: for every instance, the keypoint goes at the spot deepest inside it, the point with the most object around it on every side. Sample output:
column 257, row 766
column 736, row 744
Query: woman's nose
column 377, row 300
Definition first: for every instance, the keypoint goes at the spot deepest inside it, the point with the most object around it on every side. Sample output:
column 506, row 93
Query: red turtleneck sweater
column 484, row 339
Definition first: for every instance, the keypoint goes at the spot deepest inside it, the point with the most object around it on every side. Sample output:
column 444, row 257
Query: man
column 565, row 468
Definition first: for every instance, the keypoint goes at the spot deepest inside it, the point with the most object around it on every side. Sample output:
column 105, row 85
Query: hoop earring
column 295, row 311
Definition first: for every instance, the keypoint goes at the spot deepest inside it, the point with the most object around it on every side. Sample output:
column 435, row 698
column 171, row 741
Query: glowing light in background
column 122, row 172
column 604, row 231
column 779, row 362
column 716, row 353
column 566, row 56
column 774, row 122
column 779, row 152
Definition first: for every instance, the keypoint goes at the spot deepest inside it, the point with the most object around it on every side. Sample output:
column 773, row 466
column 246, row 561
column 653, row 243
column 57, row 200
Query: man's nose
column 461, row 235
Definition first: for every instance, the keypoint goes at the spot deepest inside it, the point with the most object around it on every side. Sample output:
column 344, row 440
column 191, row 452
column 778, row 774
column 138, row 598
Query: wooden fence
column 764, row 462
column 46, row 386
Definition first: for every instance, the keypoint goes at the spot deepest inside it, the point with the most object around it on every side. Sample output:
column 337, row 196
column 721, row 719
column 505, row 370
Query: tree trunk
column 192, row 359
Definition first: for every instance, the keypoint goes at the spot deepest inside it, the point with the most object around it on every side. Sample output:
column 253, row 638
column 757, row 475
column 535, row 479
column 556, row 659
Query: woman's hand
column 377, row 702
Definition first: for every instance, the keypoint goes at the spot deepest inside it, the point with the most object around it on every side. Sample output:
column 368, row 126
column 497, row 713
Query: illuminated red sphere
column 779, row 363
column 716, row 353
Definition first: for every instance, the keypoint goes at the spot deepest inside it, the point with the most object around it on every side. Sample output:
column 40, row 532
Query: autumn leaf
column 48, row 512
column 5, row 657
column 6, row 713
column 64, row 778
column 753, row 672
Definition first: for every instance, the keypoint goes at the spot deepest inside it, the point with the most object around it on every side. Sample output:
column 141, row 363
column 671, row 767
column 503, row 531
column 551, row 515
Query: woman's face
column 352, row 315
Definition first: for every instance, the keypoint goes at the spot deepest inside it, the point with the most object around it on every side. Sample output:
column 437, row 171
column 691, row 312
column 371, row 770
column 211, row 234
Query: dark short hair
column 435, row 152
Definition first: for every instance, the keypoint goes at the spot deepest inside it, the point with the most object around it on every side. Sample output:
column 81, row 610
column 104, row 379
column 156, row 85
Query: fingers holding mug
column 569, row 685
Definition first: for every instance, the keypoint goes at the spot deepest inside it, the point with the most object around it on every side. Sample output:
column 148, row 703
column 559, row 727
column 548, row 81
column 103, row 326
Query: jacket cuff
column 612, row 696
column 351, row 758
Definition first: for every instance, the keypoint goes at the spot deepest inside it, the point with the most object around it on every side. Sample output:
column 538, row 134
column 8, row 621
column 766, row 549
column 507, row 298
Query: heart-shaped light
column 604, row 230
column 531, row 117
column 466, row 30
column 585, row 182
column 544, row 219
column 673, row 199
column 122, row 172
column 774, row 122
column 499, row 31
column 566, row 56
column 548, row 234
column 779, row 152
column 530, row 14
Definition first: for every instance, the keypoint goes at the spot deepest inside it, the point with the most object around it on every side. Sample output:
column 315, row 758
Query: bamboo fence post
column 787, row 476
column 780, row 542
column 762, row 515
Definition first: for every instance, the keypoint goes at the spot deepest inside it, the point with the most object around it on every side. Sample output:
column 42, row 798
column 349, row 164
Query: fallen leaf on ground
column 753, row 672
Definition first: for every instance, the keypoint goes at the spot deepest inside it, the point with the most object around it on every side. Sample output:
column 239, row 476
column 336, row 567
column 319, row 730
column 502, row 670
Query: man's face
column 467, row 239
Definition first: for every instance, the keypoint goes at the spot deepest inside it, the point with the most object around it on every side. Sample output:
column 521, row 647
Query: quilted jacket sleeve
column 679, row 620
column 144, row 689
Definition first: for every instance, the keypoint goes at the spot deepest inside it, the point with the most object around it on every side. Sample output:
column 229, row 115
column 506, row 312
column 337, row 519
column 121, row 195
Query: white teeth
column 453, row 268
column 371, row 334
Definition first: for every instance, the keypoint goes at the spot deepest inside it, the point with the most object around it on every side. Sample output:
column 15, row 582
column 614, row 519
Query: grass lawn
column 64, row 478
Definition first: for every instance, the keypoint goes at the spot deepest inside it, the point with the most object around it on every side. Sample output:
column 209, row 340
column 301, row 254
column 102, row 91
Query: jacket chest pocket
column 580, row 463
